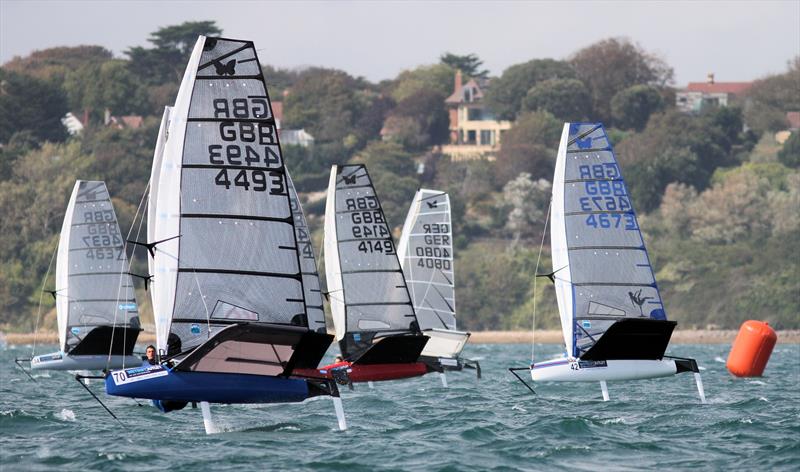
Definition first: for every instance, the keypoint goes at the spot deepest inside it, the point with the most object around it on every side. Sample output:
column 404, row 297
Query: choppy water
column 492, row 424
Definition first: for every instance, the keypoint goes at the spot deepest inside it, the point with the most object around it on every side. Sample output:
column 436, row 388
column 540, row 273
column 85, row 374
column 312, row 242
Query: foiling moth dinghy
column 612, row 316
column 98, row 321
column 231, row 312
column 371, row 307
column 426, row 252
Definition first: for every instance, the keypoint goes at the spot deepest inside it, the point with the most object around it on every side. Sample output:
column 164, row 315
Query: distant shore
column 694, row 336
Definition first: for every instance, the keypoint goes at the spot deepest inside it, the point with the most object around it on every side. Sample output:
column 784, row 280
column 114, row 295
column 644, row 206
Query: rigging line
column 203, row 299
column 536, row 271
column 41, row 295
column 126, row 270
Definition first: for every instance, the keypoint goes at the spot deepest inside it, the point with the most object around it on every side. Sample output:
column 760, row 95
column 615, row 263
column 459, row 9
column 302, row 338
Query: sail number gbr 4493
column 249, row 149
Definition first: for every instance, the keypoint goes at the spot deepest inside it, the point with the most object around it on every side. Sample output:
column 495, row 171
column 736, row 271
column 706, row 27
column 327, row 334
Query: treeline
column 716, row 196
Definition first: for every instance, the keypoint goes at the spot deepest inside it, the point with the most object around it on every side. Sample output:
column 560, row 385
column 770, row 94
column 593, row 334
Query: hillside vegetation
column 718, row 199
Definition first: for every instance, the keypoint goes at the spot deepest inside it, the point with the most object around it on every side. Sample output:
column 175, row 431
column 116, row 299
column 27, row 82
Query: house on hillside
column 697, row 95
column 290, row 137
column 475, row 133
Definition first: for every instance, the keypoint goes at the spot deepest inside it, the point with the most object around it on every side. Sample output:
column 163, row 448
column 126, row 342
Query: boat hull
column 444, row 343
column 160, row 383
column 61, row 361
column 566, row 370
column 369, row 372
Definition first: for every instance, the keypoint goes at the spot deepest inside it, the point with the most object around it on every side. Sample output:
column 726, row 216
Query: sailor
column 338, row 359
column 150, row 356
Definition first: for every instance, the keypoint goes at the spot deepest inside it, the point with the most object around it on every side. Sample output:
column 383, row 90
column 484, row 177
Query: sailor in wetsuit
column 164, row 405
column 150, row 356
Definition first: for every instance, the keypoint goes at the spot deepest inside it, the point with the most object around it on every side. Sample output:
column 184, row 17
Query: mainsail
column 602, row 270
column 367, row 290
column 226, row 248
column 93, row 287
column 308, row 264
column 426, row 252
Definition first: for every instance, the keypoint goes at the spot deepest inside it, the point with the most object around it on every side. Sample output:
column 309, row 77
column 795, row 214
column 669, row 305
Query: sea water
column 494, row 423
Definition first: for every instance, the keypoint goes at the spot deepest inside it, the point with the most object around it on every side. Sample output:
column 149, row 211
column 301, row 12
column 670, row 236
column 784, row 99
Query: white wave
column 66, row 415
column 719, row 359
column 756, row 382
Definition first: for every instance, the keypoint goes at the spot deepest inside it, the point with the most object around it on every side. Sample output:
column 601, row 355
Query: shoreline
column 688, row 336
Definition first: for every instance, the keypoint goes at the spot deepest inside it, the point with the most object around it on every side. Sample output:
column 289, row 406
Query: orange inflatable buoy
column 751, row 349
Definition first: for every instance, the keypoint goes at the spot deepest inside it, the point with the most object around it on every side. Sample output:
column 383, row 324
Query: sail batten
column 606, row 273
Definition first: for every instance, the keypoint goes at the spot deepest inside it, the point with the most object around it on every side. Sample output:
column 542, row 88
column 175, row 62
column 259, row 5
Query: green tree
column 566, row 99
column 789, row 155
column 324, row 102
column 27, row 103
column 433, row 78
column 507, row 92
column 632, row 107
column 419, row 120
column 609, row 66
column 53, row 64
column 469, row 64
column 100, row 85
column 529, row 146
column 770, row 98
column 172, row 45
column 674, row 147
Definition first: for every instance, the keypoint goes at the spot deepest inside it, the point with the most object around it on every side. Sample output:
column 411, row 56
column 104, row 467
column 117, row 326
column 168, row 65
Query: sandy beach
column 699, row 336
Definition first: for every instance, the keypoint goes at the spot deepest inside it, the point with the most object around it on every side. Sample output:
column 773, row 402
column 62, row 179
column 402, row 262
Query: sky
column 735, row 40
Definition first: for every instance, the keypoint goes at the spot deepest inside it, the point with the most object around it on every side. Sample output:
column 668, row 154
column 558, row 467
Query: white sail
column 93, row 287
column 426, row 252
column 602, row 270
column 333, row 271
column 308, row 263
column 227, row 249
column 155, row 173
column 368, row 292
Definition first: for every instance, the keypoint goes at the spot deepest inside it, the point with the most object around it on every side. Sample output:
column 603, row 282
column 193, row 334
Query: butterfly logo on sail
column 432, row 204
column 584, row 143
column 349, row 179
column 225, row 69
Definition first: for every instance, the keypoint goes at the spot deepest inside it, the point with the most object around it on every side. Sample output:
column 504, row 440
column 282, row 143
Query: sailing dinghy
column 228, row 292
column 426, row 252
column 98, row 320
column 371, row 307
column 612, row 314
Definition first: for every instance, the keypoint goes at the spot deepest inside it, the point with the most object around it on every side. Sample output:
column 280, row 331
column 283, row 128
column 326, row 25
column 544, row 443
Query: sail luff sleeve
column 559, row 246
column 333, row 272
column 166, row 224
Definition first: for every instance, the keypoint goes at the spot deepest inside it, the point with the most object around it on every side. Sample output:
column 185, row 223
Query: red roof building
column 697, row 95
